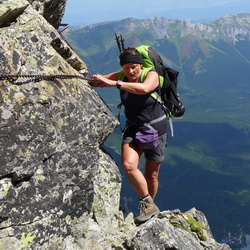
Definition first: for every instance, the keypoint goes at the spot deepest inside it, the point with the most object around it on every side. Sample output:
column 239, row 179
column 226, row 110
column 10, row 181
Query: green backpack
column 168, row 77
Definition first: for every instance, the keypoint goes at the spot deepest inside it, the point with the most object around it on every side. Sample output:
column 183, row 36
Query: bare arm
column 112, row 76
column 150, row 83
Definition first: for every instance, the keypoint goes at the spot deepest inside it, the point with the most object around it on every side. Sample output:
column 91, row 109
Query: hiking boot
column 148, row 209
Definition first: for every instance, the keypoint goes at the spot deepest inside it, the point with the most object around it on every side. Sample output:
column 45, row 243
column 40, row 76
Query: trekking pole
column 118, row 42
column 122, row 42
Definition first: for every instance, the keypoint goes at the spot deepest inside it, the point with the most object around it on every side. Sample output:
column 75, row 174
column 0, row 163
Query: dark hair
column 130, row 55
column 127, row 51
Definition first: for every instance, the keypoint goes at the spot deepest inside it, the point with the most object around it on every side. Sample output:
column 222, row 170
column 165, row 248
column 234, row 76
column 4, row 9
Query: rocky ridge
column 232, row 28
column 58, row 188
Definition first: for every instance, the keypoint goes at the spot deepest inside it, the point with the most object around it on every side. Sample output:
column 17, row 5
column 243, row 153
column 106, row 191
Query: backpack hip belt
column 146, row 124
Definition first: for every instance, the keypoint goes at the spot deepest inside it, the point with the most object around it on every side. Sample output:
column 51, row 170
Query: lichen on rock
column 50, row 134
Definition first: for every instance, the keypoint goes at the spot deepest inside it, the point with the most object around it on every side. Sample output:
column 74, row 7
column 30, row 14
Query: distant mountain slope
column 185, row 42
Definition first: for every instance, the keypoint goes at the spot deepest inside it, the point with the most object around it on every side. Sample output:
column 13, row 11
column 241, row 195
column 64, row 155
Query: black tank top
column 141, row 109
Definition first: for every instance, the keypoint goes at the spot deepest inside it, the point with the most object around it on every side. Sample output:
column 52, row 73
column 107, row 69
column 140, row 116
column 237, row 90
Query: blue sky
column 95, row 11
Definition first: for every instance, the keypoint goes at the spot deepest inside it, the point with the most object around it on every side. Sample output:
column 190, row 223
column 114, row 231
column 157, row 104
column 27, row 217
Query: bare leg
column 130, row 160
column 151, row 174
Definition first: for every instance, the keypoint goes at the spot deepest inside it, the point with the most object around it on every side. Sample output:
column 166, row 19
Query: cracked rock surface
column 50, row 136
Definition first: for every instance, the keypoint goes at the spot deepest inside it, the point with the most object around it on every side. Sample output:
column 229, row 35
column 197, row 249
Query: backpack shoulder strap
column 144, row 73
column 154, row 94
column 121, row 75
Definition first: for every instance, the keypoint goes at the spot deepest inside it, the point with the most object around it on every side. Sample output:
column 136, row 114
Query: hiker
column 146, row 128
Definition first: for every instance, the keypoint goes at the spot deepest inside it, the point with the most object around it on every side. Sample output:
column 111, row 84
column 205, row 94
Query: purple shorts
column 151, row 153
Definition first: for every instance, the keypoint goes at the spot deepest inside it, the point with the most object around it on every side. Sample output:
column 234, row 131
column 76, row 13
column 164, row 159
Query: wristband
column 119, row 84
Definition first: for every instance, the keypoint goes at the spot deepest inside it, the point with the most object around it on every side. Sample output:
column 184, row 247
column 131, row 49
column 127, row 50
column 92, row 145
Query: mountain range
column 207, row 161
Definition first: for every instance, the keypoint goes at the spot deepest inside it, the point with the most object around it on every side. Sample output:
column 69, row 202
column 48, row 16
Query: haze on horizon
column 97, row 11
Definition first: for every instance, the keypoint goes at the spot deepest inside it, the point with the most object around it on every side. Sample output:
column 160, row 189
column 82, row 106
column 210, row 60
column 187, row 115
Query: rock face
column 51, row 10
column 51, row 132
column 58, row 189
